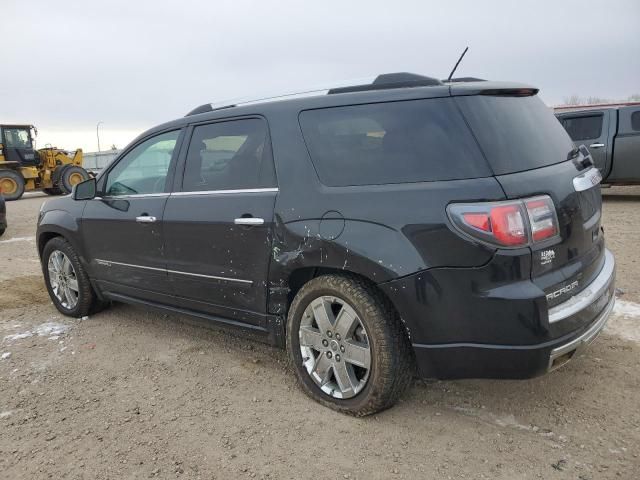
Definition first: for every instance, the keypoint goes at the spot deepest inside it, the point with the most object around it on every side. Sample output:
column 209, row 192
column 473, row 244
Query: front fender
column 60, row 223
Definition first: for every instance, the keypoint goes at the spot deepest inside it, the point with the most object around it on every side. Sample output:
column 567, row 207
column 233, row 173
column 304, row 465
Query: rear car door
column 591, row 129
column 626, row 161
column 218, row 221
column 122, row 228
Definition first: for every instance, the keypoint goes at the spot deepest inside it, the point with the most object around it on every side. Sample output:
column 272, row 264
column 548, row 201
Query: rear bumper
column 589, row 309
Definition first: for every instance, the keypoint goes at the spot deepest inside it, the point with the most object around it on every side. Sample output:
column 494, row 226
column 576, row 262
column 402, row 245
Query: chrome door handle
column 249, row 221
column 145, row 219
column 596, row 145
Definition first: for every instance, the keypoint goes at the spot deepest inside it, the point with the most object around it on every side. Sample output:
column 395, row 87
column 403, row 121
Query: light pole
column 98, row 134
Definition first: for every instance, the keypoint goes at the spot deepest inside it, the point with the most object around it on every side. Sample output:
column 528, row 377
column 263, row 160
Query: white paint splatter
column 18, row 239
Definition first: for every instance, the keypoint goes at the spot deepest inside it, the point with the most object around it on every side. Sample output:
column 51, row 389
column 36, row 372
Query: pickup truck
column 612, row 134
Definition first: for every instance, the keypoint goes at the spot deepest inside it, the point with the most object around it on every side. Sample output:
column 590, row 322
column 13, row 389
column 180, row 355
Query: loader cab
column 18, row 146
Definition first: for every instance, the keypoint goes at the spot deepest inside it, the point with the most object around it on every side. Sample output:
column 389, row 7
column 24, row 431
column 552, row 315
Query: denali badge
column 547, row 256
column 562, row 291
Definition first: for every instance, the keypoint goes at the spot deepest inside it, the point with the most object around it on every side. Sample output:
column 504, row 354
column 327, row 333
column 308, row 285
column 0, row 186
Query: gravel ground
column 130, row 393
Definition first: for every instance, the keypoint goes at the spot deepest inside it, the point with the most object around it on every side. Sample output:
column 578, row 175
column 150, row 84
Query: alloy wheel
column 63, row 279
column 335, row 347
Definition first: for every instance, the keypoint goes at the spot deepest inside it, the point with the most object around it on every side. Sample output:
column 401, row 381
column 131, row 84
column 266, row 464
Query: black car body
column 375, row 183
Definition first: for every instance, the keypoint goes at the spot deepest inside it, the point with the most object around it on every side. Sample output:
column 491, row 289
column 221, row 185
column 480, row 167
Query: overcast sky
column 131, row 64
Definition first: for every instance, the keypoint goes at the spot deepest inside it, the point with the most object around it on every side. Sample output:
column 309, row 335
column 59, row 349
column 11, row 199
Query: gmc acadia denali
column 371, row 230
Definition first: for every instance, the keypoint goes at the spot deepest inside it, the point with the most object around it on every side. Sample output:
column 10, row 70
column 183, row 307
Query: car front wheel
column 67, row 282
column 347, row 345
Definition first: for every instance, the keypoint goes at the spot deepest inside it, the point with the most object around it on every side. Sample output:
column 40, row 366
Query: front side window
column 229, row 155
column 583, row 128
column 17, row 138
column 144, row 169
column 397, row 142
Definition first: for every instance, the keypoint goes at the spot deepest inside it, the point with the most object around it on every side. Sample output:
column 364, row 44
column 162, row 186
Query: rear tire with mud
column 71, row 175
column 347, row 345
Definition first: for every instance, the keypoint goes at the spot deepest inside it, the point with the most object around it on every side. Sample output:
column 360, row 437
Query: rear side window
column 583, row 128
column 516, row 133
column 635, row 121
column 399, row 142
column 229, row 155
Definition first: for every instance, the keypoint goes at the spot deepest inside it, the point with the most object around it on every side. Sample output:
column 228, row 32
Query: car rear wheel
column 11, row 184
column 67, row 282
column 347, row 345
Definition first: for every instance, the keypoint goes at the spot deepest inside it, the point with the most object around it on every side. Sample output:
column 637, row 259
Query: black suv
column 451, row 226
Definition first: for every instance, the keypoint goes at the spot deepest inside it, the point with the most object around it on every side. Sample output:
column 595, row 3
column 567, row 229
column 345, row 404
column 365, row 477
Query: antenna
column 457, row 63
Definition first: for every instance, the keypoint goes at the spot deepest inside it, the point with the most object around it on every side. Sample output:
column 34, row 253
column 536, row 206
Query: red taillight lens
column 542, row 218
column 478, row 220
column 508, row 224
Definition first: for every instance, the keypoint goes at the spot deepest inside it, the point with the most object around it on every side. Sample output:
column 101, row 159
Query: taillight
column 509, row 224
column 542, row 218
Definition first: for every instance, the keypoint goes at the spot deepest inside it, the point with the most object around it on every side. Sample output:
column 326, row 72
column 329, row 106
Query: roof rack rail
column 381, row 82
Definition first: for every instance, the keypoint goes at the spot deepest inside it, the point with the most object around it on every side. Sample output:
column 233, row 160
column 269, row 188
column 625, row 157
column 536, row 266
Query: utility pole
column 98, row 134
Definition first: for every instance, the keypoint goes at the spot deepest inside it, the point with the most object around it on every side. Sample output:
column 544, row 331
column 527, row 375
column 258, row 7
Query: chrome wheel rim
column 63, row 279
column 335, row 347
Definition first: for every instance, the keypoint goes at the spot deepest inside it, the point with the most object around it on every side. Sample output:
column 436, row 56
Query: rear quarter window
column 516, row 133
column 396, row 142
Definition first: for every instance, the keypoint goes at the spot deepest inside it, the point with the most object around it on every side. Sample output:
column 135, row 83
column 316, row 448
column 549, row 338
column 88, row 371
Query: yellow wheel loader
column 22, row 168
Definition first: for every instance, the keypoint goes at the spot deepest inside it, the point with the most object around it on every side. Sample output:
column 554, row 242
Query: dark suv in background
column 369, row 229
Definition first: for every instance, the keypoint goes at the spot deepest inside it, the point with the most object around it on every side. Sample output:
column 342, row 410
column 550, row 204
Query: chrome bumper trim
column 587, row 296
column 586, row 338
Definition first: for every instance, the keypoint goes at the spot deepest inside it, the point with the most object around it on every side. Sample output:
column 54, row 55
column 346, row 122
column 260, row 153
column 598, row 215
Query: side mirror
column 84, row 190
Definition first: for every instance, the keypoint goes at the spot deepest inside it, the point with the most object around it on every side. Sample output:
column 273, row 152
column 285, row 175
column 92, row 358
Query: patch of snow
column 508, row 420
column 625, row 321
column 5, row 355
column 6, row 414
column 17, row 336
column 19, row 239
column 51, row 329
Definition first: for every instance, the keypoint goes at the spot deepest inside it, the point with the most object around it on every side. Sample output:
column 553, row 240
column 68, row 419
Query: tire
column 11, row 184
column 70, row 176
column 86, row 301
column 376, row 326
column 52, row 191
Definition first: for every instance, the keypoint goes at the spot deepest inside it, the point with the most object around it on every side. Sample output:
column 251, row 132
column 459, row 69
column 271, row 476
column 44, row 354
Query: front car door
column 122, row 228
column 217, row 222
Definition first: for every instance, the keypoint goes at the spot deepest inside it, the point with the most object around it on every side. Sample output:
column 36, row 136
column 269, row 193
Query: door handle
column 596, row 145
column 249, row 221
column 145, row 219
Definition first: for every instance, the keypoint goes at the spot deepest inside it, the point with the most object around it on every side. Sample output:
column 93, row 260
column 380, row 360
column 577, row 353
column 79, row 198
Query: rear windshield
column 399, row 142
column 516, row 133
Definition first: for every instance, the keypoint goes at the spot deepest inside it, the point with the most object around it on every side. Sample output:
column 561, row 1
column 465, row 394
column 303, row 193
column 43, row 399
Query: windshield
column 17, row 138
column 516, row 133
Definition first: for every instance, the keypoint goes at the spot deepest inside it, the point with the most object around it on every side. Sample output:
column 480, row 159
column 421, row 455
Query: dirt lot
column 135, row 394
